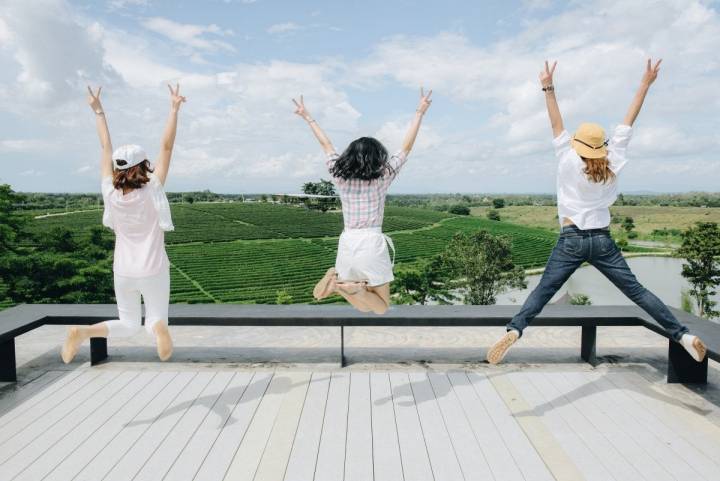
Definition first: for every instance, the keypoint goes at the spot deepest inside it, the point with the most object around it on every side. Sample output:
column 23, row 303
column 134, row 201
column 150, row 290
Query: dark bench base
column 7, row 361
column 682, row 368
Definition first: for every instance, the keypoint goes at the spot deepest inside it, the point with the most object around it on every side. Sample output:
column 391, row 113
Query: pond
column 661, row 275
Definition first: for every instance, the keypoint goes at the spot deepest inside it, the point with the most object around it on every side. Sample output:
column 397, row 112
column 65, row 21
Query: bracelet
column 549, row 88
column 420, row 111
column 99, row 112
column 311, row 121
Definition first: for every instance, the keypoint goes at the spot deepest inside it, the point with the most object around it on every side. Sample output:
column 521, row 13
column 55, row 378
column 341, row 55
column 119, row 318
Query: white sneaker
column 500, row 348
column 694, row 346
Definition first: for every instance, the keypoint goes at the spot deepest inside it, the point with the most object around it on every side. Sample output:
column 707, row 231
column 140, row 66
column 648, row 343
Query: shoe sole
column 700, row 348
column 321, row 288
column 500, row 348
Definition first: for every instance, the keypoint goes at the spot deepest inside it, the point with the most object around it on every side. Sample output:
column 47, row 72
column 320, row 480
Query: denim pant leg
column 565, row 258
column 607, row 259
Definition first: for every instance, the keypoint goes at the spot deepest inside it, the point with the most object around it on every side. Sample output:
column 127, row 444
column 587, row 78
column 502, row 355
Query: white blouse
column 584, row 202
column 139, row 219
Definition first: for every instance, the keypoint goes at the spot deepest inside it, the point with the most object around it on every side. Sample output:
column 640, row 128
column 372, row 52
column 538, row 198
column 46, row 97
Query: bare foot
column 72, row 344
column 326, row 286
column 351, row 288
column 163, row 341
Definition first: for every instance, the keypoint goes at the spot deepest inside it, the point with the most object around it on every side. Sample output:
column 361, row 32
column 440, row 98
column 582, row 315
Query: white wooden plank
column 443, row 459
column 93, row 444
column 682, row 419
column 415, row 460
column 247, row 458
column 70, row 433
column 42, row 404
column 386, row 447
column 491, row 442
column 32, row 443
column 331, row 454
column 167, row 452
column 608, row 401
column 277, row 450
column 16, row 398
column 633, row 461
column 674, row 442
column 359, row 446
column 472, row 460
column 553, row 455
column 47, row 418
column 110, row 454
column 571, row 429
column 158, row 429
column 301, row 466
column 218, row 460
column 524, row 453
column 189, row 461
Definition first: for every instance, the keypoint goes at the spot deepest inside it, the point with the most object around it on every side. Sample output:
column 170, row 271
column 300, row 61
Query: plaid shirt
column 363, row 201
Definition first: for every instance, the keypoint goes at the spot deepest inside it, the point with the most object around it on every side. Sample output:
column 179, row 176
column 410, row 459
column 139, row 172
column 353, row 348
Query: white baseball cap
column 128, row 156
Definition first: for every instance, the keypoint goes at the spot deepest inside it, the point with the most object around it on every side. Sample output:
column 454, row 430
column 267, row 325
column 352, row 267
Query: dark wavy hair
column 365, row 158
column 134, row 177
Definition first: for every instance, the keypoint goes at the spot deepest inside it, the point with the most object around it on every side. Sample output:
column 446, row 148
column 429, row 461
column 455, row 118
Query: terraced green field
column 246, row 253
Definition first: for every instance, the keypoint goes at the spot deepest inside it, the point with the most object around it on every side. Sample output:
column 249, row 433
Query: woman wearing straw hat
column 588, row 166
column 137, row 209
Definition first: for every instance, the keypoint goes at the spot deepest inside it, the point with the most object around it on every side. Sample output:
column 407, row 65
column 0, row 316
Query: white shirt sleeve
column 107, row 188
column 562, row 144
column 617, row 147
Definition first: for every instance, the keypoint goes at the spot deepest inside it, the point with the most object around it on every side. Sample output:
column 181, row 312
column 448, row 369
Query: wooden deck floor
column 530, row 424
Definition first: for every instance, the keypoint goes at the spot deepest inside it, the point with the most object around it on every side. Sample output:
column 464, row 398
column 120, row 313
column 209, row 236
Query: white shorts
column 363, row 255
column 155, row 292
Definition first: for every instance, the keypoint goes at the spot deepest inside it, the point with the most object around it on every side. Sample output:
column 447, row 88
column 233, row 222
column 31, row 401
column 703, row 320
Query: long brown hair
column 598, row 170
column 134, row 177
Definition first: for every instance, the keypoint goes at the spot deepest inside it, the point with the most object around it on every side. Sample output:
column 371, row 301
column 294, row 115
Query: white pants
column 155, row 292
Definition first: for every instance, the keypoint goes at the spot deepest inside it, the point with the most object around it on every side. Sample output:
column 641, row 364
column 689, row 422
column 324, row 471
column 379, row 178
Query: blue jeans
column 596, row 247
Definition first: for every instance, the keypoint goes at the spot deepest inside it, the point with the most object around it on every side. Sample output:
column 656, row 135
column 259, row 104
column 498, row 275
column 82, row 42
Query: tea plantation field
column 247, row 253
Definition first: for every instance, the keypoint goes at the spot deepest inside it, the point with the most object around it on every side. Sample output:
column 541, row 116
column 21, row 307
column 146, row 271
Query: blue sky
column 360, row 66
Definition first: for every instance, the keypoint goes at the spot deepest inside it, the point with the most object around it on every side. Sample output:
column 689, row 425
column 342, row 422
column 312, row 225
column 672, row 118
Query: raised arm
column 162, row 166
column 412, row 132
column 325, row 143
column 103, row 132
column 651, row 73
column 546, row 79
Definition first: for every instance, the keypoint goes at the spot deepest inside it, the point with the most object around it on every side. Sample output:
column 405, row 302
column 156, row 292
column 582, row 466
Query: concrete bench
column 681, row 367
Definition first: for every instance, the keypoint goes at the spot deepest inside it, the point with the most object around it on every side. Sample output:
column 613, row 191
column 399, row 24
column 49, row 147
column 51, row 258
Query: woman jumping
column 137, row 209
column 588, row 166
column 362, row 174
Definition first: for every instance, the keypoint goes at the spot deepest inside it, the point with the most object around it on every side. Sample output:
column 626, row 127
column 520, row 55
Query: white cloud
column 283, row 28
column 194, row 36
column 237, row 129
column 48, row 72
column 120, row 4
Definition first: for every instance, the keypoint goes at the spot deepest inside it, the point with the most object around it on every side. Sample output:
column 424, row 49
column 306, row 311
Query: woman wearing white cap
column 137, row 209
column 586, row 187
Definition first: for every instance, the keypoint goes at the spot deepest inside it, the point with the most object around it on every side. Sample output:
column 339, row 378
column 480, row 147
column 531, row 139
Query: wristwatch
column 549, row 88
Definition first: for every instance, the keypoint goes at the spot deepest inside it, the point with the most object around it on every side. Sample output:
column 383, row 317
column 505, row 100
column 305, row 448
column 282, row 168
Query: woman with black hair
column 362, row 175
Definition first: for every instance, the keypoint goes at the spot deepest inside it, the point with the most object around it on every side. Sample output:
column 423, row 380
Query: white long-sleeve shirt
column 584, row 202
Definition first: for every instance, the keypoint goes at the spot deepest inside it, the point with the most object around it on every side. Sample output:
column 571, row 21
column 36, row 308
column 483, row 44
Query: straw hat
column 589, row 141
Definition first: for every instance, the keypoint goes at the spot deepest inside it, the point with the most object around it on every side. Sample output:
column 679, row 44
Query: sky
column 360, row 66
